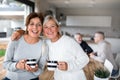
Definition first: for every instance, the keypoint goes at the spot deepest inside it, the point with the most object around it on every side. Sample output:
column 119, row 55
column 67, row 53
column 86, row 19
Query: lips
column 35, row 32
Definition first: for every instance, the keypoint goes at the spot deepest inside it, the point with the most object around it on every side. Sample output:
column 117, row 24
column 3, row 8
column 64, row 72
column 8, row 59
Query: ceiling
column 85, row 3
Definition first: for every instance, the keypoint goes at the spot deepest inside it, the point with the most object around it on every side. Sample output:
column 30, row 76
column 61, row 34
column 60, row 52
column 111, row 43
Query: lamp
column 67, row 1
column 92, row 3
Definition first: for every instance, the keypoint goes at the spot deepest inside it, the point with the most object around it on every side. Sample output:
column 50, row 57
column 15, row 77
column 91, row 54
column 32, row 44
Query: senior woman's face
column 50, row 30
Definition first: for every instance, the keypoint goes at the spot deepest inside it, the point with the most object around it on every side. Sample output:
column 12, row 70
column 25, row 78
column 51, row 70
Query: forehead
column 50, row 23
column 35, row 19
column 97, row 35
column 78, row 35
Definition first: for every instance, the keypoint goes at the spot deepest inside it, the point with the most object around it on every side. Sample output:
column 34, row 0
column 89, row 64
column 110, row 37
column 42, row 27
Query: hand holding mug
column 31, row 62
column 21, row 64
column 30, row 69
column 31, row 65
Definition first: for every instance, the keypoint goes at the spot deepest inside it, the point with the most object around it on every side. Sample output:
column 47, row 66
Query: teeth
column 35, row 32
column 50, row 33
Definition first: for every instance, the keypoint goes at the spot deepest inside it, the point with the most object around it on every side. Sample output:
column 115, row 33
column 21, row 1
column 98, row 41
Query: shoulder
column 14, row 42
column 68, row 41
column 84, row 42
column 65, row 37
column 105, row 43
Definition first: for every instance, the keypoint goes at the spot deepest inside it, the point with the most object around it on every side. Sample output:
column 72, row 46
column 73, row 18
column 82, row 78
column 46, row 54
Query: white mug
column 51, row 65
column 31, row 62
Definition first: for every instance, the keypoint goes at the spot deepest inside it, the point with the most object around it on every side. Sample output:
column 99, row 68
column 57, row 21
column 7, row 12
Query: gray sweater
column 18, row 50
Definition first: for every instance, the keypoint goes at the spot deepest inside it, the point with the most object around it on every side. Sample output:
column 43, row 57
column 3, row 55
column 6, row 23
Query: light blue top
column 18, row 50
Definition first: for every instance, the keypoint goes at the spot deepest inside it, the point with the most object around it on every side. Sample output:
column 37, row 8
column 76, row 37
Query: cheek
column 56, row 30
column 44, row 31
column 27, row 28
column 40, row 29
column 95, row 40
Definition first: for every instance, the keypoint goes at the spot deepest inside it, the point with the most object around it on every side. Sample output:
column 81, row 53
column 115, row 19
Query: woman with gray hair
column 66, row 51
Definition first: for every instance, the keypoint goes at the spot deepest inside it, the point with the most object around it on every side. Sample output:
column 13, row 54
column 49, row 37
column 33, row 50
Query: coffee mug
column 31, row 62
column 51, row 65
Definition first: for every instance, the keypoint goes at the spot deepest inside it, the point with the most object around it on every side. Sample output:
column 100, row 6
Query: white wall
column 115, row 44
column 113, row 31
column 94, row 21
column 9, row 25
column 17, row 23
column 4, row 24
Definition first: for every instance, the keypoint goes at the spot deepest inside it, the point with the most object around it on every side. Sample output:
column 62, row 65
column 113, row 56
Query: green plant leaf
column 102, row 73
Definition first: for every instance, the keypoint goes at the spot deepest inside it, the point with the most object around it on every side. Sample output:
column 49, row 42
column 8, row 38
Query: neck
column 57, row 38
column 31, row 40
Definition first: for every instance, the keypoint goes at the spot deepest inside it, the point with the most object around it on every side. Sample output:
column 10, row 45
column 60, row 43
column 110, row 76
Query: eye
column 39, row 24
column 45, row 27
column 53, row 26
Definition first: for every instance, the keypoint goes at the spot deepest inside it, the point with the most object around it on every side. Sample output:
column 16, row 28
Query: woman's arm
column 9, row 63
column 80, row 57
column 17, row 34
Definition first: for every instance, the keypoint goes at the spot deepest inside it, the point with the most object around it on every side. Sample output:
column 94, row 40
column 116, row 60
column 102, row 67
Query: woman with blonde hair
column 66, row 51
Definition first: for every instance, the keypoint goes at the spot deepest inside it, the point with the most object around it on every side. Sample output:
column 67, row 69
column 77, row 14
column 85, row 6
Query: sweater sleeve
column 80, row 57
column 9, row 63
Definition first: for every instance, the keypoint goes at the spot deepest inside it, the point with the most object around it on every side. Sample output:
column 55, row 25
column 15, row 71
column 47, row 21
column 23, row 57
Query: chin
column 35, row 36
column 50, row 37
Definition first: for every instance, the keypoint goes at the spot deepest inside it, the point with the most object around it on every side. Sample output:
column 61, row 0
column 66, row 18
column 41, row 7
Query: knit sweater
column 68, row 50
column 18, row 50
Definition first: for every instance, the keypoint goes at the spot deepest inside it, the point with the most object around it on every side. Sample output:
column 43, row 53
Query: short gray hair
column 101, row 33
column 78, row 34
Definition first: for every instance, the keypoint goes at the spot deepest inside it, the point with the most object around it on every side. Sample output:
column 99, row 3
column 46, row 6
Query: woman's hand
column 29, row 69
column 62, row 66
column 91, row 55
column 17, row 34
column 21, row 64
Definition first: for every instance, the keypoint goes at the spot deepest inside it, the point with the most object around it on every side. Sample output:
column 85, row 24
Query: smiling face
column 51, row 29
column 34, row 27
column 78, row 38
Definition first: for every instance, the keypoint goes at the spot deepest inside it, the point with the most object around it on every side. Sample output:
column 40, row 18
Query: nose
column 49, row 29
column 35, row 25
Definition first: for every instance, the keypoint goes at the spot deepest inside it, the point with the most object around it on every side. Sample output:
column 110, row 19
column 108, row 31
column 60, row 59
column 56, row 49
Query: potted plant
column 101, row 74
